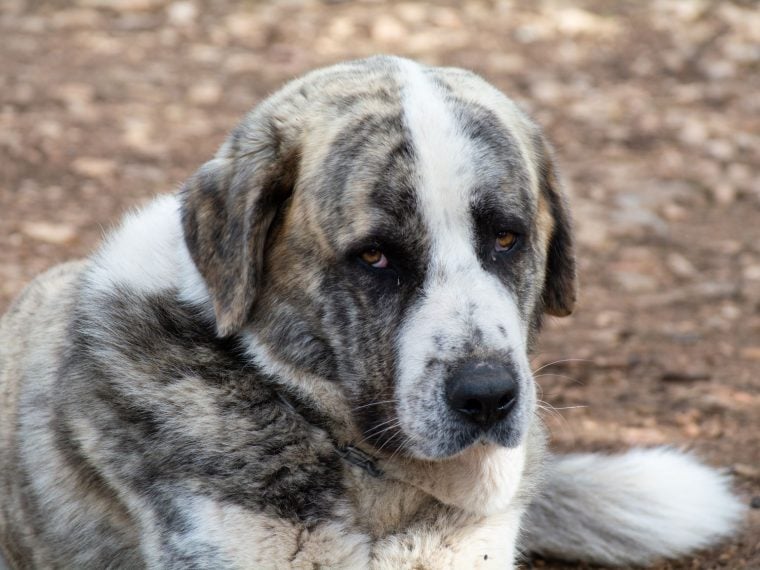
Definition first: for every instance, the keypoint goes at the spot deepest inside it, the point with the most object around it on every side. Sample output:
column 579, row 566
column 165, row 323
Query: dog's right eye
column 374, row 258
column 505, row 241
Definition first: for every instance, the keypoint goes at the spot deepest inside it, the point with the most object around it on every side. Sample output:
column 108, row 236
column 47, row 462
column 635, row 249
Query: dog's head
column 396, row 231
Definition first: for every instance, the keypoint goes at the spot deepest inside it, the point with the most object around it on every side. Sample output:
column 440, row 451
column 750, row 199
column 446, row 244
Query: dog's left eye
column 505, row 241
column 375, row 258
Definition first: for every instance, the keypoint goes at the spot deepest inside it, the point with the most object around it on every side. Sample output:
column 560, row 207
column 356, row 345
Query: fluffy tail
column 629, row 509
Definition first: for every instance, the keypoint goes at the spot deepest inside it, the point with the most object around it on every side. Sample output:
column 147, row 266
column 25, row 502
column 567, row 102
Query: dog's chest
column 408, row 528
column 380, row 526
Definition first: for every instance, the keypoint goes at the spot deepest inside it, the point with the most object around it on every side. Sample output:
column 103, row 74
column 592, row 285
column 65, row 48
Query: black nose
column 482, row 390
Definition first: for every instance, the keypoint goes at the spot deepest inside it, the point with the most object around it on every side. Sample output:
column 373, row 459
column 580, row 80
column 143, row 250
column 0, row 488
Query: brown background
column 654, row 108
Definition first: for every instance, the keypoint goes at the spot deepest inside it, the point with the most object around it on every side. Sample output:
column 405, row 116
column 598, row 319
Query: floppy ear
column 560, row 283
column 228, row 206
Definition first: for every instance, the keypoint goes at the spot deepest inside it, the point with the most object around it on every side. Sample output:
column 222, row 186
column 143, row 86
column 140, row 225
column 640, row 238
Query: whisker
column 390, row 439
column 403, row 445
column 380, row 425
column 561, row 361
column 554, row 414
column 374, row 404
column 554, row 411
column 565, row 376
column 377, row 433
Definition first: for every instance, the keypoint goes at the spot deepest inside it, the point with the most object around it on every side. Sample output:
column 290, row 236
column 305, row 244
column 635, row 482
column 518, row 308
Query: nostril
column 471, row 407
column 506, row 401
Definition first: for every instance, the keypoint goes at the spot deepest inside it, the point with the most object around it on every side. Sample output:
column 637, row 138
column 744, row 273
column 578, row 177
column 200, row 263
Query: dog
column 315, row 355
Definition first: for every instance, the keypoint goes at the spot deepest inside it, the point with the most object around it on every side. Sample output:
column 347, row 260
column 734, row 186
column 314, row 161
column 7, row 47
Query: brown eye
column 505, row 241
column 375, row 258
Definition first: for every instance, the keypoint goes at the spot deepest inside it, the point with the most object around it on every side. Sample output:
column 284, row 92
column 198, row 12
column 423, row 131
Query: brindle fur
column 159, row 427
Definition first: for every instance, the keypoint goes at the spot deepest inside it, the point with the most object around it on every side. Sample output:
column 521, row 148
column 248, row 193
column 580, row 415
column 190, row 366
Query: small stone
column 731, row 312
column 680, row 266
column 674, row 213
column 593, row 233
column 634, row 282
column 683, row 376
column 342, row 29
column 205, row 93
column 739, row 174
column 752, row 272
column 182, row 14
column 93, row 167
column 78, row 98
column 547, row 90
column 75, row 18
column 729, row 246
column 694, row 132
column 746, row 471
column 123, row 5
column 719, row 69
column 633, row 218
column 388, row 29
column 48, row 232
column 412, row 13
column 50, row 129
column 575, row 22
column 750, row 353
column 138, row 133
column 446, row 17
column 720, row 149
column 723, row 193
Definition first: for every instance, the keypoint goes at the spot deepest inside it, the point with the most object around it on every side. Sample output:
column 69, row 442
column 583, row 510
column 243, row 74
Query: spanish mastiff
column 315, row 355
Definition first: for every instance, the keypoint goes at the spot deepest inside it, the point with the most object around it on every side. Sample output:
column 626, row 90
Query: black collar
column 356, row 456
column 348, row 453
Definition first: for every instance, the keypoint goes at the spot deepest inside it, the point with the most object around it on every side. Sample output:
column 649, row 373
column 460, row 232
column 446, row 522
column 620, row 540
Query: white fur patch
column 254, row 540
column 479, row 543
column 482, row 480
column 147, row 254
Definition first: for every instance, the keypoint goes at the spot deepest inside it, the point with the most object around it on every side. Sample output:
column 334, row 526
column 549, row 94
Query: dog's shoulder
column 188, row 404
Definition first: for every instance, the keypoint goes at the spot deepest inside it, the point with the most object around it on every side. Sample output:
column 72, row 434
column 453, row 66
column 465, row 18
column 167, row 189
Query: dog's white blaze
column 443, row 159
column 460, row 297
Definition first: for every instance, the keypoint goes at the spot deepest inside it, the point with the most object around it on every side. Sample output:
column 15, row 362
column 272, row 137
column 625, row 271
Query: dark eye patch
column 491, row 217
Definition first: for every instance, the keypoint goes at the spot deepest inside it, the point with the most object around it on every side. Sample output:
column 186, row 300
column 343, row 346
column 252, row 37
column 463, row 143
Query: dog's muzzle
column 482, row 392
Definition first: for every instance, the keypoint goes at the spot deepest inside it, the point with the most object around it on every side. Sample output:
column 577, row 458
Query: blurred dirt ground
column 653, row 108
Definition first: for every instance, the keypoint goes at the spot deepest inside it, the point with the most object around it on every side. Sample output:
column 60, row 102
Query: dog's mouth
column 449, row 434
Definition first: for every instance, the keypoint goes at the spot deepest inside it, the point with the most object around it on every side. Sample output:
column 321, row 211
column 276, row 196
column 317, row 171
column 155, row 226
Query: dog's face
column 397, row 231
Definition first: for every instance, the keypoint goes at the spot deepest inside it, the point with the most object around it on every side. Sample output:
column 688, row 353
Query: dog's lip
column 476, row 442
column 466, row 441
